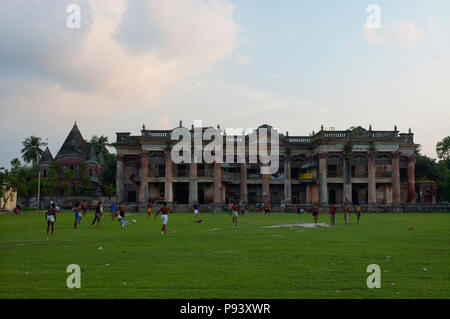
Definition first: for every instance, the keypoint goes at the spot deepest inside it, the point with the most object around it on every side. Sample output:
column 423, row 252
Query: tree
column 69, row 175
column 99, row 143
column 32, row 149
column 443, row 148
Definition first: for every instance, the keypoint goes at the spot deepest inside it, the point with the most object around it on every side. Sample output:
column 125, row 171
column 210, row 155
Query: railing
column 299, row 139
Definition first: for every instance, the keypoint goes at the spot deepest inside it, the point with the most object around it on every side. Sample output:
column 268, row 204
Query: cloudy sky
column 292, row 64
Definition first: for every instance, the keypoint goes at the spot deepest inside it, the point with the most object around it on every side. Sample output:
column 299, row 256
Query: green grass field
column 217, row 260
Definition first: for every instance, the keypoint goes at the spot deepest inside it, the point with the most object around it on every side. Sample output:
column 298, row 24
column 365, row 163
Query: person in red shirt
column 266, row 209
column 332, row 213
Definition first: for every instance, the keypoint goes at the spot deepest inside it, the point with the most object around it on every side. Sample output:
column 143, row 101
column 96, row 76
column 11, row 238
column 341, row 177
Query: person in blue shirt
column 113, row 208
column 196, row 207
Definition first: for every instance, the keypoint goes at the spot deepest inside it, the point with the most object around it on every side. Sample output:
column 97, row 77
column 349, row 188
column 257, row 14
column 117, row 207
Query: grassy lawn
column 217, row 260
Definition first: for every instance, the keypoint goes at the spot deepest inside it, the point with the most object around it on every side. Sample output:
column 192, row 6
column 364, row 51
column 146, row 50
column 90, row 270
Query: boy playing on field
column 121, row 217
column 346, row 213
column 315, row 212
column 333, row 214
column 149, row 208
column 51, row 217
column 76, row 210
column 165, row 210
column 266, row 209
column 234, row 213
column 196, row 207
column 84, row 207
column 358, row 213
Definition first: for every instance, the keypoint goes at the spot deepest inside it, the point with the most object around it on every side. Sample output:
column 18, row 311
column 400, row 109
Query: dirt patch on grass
column 304, row 225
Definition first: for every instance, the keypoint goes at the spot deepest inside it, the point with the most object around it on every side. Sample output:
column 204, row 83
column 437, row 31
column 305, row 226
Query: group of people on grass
column 80, row 210
column 332, row 211
column 118, row 211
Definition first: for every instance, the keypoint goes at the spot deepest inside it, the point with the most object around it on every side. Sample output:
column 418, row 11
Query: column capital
column 371, row 154
column 395, row 155
column 143, row 154
column 120, row 157
column 322, row 155
column 411, row 159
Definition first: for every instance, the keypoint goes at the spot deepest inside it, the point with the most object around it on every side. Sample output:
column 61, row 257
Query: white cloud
column 244, row 59
column 56, row 74
column 404, row 33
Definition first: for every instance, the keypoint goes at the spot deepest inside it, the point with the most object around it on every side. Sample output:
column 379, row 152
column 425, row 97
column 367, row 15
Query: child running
column 113, row 209
column 266, row 209
column 315, row 213
column 346, row 213
column 51, row 217
column 98, row 214
column 333, row 214
column 121, row 217
column 84, row 208
column 234, row 213
column 165, row 210
column 76, row 210
column 149, row 208
column 358, row 213
column 196, row 207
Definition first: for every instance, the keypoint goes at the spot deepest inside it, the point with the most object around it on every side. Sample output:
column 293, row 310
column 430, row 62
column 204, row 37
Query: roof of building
column 92, row 157
column 74, row 145
column 46, row 157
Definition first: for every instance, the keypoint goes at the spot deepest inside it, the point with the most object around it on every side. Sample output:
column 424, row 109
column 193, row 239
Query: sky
column 293, row 64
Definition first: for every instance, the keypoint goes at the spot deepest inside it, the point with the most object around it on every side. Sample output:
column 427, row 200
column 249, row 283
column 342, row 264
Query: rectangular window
column 200, row 170
column 331, row 170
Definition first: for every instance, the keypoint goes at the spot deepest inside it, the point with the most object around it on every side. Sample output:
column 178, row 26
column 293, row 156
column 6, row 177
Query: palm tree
column 99, row 143
column 32, row 149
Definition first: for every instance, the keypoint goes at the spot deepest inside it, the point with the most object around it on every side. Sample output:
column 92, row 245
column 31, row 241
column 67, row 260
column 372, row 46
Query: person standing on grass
column 76, row 210
column 149, row 208
column 346, row 213
column 358, row 213
column 300, row 210
column 113, row 209
column 234, row 213
column 333, row 214
column 266, row 209
column 51, row 217
column 98, row 214
column 165, row 210
column 84, row 208
column 196, row 207
column 315, row 212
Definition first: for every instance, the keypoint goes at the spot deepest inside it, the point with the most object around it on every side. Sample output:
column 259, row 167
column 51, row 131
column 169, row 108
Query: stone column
column 387, row 194
column 120, row 172
column 287, row 181
column 168, row 180
column 372, row 185
column 193, row 183
column 217, row 183
column 323, row 189
column 347, row 181
column 265, row 188
column 411, row 179
column 143, row 186
column 396, row 178
column 244, row 188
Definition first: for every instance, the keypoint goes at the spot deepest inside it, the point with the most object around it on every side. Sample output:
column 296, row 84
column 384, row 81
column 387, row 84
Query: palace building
column 75, row 155
column 361, row 166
